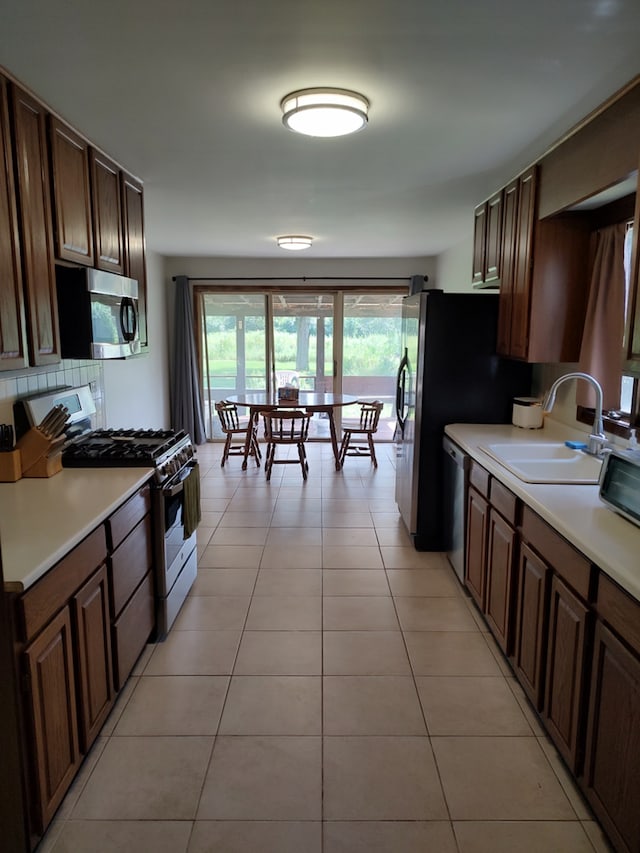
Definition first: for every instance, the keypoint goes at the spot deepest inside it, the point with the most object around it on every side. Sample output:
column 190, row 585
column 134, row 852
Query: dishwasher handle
column 456, row 453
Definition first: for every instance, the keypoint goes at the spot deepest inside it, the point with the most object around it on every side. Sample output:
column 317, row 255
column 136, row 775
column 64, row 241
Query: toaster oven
column 620, row 483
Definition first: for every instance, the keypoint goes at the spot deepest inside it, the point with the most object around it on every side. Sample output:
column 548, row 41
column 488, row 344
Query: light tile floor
column 324, row 688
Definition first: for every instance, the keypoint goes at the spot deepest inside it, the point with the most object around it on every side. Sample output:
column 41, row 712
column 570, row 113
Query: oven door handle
column 175, row 486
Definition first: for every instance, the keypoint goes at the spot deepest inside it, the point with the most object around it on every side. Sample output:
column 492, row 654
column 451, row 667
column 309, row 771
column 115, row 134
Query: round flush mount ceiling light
column 294, row 242
column 325, row 112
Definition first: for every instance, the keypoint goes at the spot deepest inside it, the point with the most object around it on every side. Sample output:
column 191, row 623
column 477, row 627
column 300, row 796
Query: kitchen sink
column 546, row 462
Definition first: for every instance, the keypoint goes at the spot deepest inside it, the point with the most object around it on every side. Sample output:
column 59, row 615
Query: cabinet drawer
column 132, row 630
column 130, row 562
column 575, row 569
column 620, row 610
column 504, row 501
column 479, row 478
column 48, row 595
column 124, row 519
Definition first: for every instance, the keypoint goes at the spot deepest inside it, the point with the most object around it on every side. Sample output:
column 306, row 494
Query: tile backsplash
column 16, row 385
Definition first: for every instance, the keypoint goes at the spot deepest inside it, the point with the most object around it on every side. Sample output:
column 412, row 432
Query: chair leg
column 372, row 451
column 225, row 451
column 343, row 448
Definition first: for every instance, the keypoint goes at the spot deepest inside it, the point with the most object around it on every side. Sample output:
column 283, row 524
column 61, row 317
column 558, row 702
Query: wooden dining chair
column 236, row 430
column 357, row 439
column 289, row 429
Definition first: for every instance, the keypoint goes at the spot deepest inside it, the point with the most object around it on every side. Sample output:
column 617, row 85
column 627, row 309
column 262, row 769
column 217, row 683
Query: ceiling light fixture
column 294, row 242
column 325, row 112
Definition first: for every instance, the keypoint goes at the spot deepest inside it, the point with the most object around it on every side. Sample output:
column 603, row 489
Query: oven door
column 175, row 549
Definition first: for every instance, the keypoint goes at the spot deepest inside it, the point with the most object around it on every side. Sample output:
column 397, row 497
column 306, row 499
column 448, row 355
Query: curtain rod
column 303, row 278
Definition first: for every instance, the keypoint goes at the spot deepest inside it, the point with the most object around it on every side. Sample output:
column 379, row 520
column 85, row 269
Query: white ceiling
column 464, row 94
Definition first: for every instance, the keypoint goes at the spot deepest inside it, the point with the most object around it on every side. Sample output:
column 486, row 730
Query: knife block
column 10, row 466
column 34, row 449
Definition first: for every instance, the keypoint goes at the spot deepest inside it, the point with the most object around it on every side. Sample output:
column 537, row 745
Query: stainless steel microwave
column 98, row 313
column 620, row 483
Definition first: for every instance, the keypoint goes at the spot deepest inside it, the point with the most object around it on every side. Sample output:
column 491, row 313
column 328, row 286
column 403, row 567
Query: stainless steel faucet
column 597, row 439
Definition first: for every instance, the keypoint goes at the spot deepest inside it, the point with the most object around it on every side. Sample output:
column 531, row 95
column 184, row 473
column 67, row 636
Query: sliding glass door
column 303, row 340
column 370, row 351
column 233, row 349
column 325, row 341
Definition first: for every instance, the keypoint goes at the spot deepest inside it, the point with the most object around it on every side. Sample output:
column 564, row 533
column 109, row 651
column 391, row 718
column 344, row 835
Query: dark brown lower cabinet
column 612, row 761
column 531, row 623
column 564, row 700
column 572, row 636
column 500, row 574
column 476, row 546
column 93, row 650
column 56, row 748
column 74, row 650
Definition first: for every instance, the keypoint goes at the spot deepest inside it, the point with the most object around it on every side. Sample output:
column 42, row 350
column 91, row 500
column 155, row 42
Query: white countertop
column 42, row 519
column 576, row 512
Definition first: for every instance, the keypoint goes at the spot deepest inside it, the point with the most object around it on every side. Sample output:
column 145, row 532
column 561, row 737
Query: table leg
column 253, row 414
column 334, row 437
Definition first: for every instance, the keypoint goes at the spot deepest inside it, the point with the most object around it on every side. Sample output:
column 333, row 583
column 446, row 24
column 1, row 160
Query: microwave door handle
column 128, row 313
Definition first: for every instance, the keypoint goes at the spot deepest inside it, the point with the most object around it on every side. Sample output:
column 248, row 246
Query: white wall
column 454, row 266
column 137, row 390
column 299, row 267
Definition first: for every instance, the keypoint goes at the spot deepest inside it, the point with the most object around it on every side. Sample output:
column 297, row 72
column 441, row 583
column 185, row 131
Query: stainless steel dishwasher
column 455, row 473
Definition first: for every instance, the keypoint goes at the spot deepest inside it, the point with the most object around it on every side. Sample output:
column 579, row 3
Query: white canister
column 527, row 412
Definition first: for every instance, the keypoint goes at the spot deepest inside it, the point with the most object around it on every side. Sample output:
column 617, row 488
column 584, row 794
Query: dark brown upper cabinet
column 107, row 213
column 545, row 264
column 13, row 341
column 487, row 242
column 479, row 242
column 134, row 245
column 34, row 206
column 71, row 194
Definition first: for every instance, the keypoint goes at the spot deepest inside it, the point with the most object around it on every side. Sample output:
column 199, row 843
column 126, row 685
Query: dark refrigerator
column 449, row 373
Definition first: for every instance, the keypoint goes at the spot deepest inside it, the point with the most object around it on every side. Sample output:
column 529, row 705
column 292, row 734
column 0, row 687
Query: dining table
column 308, row 401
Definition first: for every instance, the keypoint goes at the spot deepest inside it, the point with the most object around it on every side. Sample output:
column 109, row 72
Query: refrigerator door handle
column 400, row 389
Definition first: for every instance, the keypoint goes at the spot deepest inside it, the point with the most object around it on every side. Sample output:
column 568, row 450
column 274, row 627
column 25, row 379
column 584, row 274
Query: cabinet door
column 612, row 761
column 93, row 648
column 493, row 243
column 479, row 243
column 521, row 291
column 477, row 520
column 134, row 245
column 564, row 700
column 49, row 662
column 32, row 179
column 507, row 266
column 107, row 213
column 13, row 343
column 531, row 623
column 71, row 194
column 500, row 574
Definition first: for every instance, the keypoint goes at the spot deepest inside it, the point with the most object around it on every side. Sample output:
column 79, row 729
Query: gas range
column 166, row 451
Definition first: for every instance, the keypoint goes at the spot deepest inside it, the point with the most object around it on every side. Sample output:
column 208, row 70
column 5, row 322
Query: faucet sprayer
column 597, row 439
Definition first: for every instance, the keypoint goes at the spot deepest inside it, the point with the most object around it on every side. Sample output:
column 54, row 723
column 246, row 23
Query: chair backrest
column 370, row 414
column 228, row 414
column 286, row 427
column 287, row 377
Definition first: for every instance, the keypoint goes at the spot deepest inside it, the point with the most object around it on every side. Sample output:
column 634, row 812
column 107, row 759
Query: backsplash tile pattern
column 15, row 385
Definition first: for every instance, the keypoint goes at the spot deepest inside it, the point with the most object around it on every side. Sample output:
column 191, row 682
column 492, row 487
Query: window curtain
column 186, row 405
column 601, row 350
